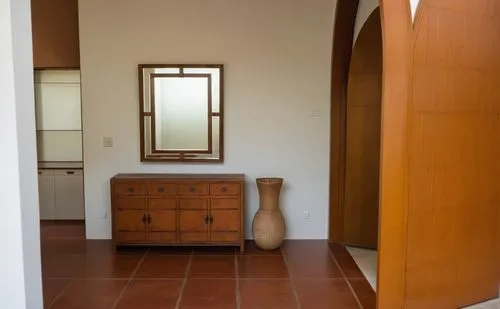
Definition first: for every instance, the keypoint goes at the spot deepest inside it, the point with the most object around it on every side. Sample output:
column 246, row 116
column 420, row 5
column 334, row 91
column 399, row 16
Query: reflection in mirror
column 181, row 112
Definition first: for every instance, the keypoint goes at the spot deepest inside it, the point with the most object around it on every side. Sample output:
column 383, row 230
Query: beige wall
column 277, row 74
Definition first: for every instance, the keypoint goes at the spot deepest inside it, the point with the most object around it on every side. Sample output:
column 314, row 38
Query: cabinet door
column 130, row 225
column 69, row 195
column 193, row 225
column 46, row 194
column 55, row 33
column 225, row 225
column 162, row 221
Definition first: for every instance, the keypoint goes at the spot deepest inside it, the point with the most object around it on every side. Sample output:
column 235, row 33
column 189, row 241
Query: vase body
column 268, row 226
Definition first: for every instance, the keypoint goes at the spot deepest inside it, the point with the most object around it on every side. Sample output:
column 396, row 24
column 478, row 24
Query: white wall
column 414, row 6
column 365, row 9
column 20, row 273
column 277, row 70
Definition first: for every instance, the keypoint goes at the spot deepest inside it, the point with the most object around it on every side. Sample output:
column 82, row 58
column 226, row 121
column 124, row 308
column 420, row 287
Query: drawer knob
column 223, row 189
column 161, row 189
column 192, row 189
column 131, row 190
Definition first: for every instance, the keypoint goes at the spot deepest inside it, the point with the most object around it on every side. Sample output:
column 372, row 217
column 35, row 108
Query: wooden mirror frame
column 148, row 150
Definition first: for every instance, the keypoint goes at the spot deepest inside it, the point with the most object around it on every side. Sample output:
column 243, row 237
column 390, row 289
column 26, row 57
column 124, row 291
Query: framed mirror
column 181, row 112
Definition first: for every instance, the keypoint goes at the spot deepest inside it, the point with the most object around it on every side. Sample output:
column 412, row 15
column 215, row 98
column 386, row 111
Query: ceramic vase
column 268, row 226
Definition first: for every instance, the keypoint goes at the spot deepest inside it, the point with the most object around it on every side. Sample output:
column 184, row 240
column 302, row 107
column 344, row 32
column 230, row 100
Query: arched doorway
column 438, row 219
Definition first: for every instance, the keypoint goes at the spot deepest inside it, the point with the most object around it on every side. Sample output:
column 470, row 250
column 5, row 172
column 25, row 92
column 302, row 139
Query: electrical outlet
column 307, row 214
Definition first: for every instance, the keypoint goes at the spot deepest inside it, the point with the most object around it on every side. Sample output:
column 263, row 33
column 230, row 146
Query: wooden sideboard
column 178, row 209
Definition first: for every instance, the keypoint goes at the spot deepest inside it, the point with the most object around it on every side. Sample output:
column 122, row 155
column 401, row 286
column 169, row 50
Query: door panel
column 361, row 200
column 193, row 225
column 225, row 220
column 440, row 147
column 69, row 194
column 46, row 194
column 453, row 153
column 131, row 225
column 224, row 225
column 162, row 220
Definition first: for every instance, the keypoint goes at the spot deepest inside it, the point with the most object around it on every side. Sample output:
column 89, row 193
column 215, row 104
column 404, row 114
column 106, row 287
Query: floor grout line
column 345, row 278
column 129, row 280
column 292, row 282
column 56, row 298
column 237, row 275
column 184, row 281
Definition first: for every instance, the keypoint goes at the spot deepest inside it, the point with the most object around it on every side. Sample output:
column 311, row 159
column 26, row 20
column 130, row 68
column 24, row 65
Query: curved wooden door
column 362, row 165
column 440, row 148
column 453, row 153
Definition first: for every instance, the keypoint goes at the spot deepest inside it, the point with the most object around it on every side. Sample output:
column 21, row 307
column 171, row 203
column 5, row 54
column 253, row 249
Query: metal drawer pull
column 131, row 190
column 70, row 172
column 161, row 189
column 224, row 189
column 192, row 189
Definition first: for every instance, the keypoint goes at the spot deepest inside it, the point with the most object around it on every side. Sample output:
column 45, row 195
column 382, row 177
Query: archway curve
column 397, row 41
column 408, row 178
column 363, row 110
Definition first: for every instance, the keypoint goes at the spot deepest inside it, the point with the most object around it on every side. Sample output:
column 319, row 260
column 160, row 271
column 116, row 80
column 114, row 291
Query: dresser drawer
column 193, row 189
column 130, row 203
column 162, row 189
column 162, row 203
column 129, row 189
column 225, row 203
column 224, row 189
column 193, row 203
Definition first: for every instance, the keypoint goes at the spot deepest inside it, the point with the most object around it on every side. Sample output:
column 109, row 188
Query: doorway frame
column 343, row 38
column 397, row 44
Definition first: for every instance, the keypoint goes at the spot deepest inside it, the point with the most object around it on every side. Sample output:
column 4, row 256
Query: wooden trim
column 152, row 77
column 209, row 117
column 190, row 65
column 221, row 114
column 142, row 114
column 160, row 155
column 396, row 94
column 345, row 19
column 152, row 108
column 62, row 68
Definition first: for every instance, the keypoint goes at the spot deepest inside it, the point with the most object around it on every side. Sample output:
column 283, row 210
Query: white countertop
column 60, row 165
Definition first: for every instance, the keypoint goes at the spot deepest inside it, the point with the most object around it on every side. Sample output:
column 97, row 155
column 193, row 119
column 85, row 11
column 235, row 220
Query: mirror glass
column 181, row 112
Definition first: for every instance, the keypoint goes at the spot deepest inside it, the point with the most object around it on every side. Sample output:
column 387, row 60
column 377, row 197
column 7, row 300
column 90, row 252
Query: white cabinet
column 47, row 194
column 69, row 202
column 61, row 194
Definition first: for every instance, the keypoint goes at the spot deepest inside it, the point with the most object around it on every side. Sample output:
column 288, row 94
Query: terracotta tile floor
column 79, row 273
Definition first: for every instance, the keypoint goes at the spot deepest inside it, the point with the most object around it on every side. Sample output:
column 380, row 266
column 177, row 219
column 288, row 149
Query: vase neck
column 269, row 196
